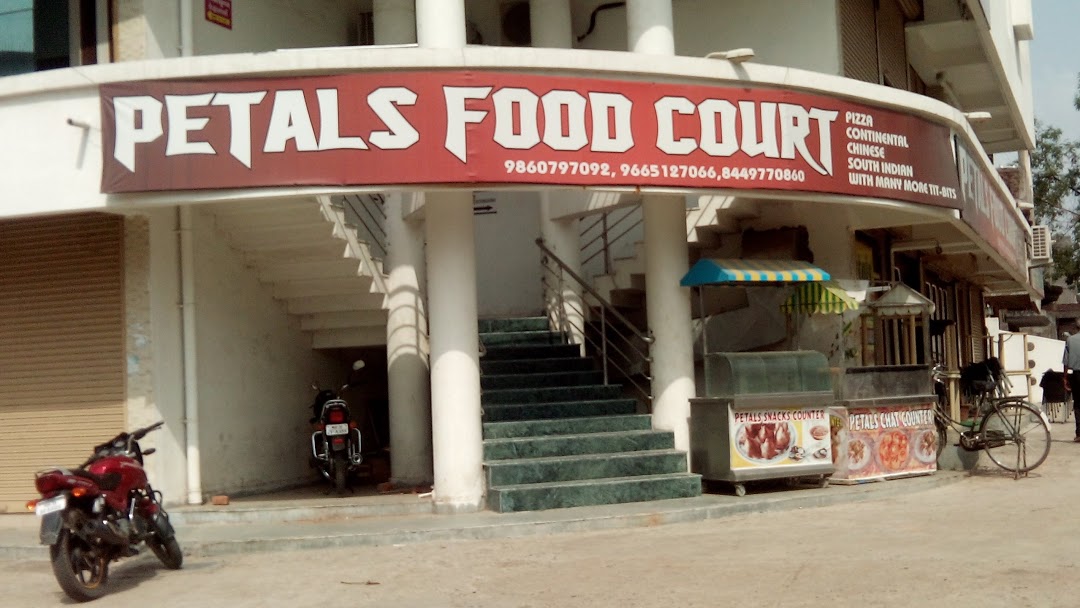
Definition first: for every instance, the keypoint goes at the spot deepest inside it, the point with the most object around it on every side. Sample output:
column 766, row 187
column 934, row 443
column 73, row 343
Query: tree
column 1055, row 179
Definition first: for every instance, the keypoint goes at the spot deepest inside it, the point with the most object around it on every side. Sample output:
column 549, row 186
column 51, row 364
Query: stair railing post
column 603, row 342
column 607, row 250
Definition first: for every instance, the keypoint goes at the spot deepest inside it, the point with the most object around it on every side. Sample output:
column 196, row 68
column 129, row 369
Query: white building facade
column 215, row 204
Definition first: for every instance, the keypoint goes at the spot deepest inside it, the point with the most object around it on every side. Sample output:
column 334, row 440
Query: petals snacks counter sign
column 497, row 128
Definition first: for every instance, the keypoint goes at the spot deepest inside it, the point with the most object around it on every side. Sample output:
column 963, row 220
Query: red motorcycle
column 101, row 512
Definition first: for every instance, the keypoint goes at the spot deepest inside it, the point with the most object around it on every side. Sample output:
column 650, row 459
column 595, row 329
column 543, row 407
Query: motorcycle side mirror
column 358, row 365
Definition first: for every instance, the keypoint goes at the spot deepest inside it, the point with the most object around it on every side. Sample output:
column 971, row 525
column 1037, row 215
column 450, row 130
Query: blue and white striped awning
column 712, row 271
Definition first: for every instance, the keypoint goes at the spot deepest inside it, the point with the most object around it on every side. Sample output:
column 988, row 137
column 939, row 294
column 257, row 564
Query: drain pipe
column 191, row 390
column 186, row 16
column 185, row 20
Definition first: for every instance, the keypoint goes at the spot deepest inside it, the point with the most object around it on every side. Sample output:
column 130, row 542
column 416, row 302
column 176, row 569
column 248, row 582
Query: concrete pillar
column 395, row 21
column 552, row 27
column 406, row 323
column 650, row 31
column 455, row 363
column 562, row 237
column 440, row 24
column 672, row 351
column 649, row 27
column 551, row 24
column 407, row 349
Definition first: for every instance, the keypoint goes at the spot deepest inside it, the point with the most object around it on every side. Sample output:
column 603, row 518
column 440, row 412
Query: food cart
column 764, row 415
column 883, row 425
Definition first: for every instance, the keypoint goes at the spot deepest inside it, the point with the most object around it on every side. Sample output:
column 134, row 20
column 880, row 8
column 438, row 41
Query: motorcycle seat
column 108, row 481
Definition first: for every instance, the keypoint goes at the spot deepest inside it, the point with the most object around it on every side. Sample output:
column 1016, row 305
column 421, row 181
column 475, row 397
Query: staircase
column 555, row 436
column 316, row 261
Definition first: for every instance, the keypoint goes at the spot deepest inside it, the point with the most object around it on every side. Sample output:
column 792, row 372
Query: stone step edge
column 291, row 514
column 593, row 482
column 503, row 423
column 576, row 436
column 597, row 456
column 549, row 403
column 497, row 392
column 536, row 360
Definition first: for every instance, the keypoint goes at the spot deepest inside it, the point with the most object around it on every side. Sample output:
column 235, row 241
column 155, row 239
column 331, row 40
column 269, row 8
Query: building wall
column 145, row 405
column 507, row 258
column 167, row 469
column 255, row 369
column 267, row 25
column 801, row 34
column 1012, row 53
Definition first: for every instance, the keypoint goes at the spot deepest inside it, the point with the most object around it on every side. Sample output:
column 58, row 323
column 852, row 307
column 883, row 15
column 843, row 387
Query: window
column 40, row 35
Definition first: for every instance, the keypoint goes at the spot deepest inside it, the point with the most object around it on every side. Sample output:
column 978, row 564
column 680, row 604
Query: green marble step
column 538, row 351
column 536, row 380
column 563, row 409
column 517, row 396
column 487, row 326
column 566, row 426
column 575, row 445
column 521, row 338
column 559, row 495
column 588, row 466
column 535, row 366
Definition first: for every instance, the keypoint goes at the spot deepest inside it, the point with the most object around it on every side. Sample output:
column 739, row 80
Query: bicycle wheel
column 1016, row 436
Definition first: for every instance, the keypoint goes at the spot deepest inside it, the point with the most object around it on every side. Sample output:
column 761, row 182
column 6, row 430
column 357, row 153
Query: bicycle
column 1013, row 432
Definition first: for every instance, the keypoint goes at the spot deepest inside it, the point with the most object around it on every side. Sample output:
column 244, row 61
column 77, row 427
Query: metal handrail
column 362, row 251
column 616, row 341
column 373, row 218
column 604, row 237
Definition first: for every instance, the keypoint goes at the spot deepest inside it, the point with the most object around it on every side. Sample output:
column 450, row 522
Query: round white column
column 457, row 438
column 551, row 24
column 408, row 379
column 407, row 369
column 668, row 304
column 650, row 31
column 395, row 21
column 649, row 27
column 440, row 24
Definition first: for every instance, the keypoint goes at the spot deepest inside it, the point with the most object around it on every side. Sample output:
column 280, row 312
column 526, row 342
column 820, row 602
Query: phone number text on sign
column 551, row 167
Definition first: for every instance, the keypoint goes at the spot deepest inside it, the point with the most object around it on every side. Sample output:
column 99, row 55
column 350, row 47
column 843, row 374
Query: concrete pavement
column 308, row 523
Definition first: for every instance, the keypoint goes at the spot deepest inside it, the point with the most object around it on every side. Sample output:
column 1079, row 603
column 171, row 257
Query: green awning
column 811, row 298
column 713, row 271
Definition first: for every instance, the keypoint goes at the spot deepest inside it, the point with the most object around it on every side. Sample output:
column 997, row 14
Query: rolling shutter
column 858, row 40
column 62, row 349
column 978, row 325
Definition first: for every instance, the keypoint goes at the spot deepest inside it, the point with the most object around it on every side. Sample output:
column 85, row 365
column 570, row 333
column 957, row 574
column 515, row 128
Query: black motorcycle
column 335, row 442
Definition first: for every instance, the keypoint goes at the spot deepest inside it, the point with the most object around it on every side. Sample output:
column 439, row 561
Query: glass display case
column 763, row 416
column 883, row 426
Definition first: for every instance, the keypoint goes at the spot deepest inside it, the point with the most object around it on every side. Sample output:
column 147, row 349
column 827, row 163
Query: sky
column 1055, row 63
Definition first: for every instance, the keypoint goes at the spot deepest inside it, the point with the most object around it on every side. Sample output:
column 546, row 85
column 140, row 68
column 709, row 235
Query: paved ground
column 984, row 541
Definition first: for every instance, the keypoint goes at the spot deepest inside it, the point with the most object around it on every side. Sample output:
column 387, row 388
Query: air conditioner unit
column 1040, row 244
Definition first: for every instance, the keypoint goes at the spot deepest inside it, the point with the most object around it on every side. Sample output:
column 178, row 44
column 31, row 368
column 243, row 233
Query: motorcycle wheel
column 82, row 574
column 168, row 551
column 341, row 472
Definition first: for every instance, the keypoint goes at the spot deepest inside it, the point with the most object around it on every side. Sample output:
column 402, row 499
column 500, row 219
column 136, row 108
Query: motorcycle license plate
column 337, row 429
column 52, row 505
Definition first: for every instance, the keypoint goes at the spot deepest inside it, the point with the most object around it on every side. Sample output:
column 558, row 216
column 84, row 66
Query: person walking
column 1070, row 361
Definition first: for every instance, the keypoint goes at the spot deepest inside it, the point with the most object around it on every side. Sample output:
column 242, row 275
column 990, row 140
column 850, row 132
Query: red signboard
column 497, row 128
column 219, row 12
column 990, row 214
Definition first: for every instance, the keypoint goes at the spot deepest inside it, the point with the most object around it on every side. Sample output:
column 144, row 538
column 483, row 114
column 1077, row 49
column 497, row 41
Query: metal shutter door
column 894, row 65
column 62, row 350
column 978, row 325
column 858, row 40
